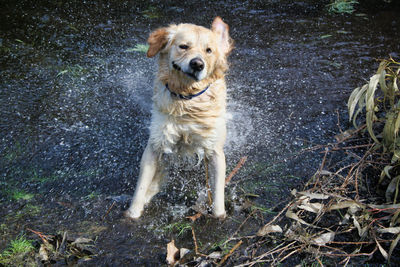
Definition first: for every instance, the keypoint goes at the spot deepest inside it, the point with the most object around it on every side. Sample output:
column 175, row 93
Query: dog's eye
column 208, row 50
column 184, row 47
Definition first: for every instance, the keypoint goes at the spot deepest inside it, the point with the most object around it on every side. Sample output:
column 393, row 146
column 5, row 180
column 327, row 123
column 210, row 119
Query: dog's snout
column 197, row 64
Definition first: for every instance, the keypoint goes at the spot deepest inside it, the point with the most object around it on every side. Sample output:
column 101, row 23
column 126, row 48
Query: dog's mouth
column 192, row 74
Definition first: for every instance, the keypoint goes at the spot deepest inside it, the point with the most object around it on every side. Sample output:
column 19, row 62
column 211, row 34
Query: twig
column 60, row 249
column 230, row 252
column 40, row 234
column 290, row 254
column 280, row 213
column 236, row 169
column 240, row 226
column 108, row 211
column 196, row 248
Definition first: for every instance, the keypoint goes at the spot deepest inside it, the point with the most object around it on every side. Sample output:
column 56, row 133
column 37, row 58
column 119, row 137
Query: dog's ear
column 157, row 41
column 222, row 31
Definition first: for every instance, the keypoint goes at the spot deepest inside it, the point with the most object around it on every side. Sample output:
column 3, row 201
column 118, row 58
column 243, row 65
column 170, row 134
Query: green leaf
column 325, row 36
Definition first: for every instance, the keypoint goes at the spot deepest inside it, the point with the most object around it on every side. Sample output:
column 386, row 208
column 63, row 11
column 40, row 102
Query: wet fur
column 186, row 127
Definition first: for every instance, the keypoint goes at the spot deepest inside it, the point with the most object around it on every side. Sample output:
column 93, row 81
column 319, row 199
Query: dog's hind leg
column 148, row 170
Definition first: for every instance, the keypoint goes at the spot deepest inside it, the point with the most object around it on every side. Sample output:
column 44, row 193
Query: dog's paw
column 132, row 214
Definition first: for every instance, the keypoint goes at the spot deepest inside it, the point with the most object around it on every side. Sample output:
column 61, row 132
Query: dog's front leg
column 218, row 186
column 148, row 169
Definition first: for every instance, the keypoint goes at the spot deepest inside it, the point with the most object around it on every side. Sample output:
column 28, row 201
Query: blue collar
column 185, row 97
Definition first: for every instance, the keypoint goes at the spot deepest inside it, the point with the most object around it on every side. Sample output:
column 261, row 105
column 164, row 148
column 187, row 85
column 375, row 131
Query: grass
column 92, row 195
column 14, row 254
column 262, row 209
column 342, row 6
column 13, row 153
column 74, row 71
column 179, row 227
column 142, row 48
column 29, row 210
column 21, row 195
column 151, row 12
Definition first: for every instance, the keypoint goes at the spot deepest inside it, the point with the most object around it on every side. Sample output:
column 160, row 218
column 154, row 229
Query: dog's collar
column 185, row 97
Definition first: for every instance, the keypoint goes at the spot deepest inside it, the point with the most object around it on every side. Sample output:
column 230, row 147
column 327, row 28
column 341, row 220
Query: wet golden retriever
column 189, row 100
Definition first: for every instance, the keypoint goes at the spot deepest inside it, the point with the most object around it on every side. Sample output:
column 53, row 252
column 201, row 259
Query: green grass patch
column 142, row 48
column 12, row 153
column 262, row 209
column 73, row 71
column 223, row 245
column 15, row 253
column 342, row 6
column 29, row 210
column 36, row 177
column 151, row 13
column 92, row 195
column 21, row 195
column 179, row 227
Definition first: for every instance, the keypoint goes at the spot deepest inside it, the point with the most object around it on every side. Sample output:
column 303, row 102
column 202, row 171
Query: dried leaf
column 313, row 195
column 392, row 187
column 324, row 238
column 215, row 255
column 43, row 253
column 391, row 230
column 393, row 245
column 382, row 81
column 397, row 124
column 193, row 218
column 267, row 229
column 325, row 172
column 361, row 231
column 183, row 252
column 354, row 206
column 291, row 215
column 396, row 156
column 311, row 207
column 383, row 252
column 81, row 240
column 354, row 99
column 385, row 172
column 393, row 221
column 340, row 138
column 395, row 87
column 386, row 207
column 172, row 253
column 370, row 105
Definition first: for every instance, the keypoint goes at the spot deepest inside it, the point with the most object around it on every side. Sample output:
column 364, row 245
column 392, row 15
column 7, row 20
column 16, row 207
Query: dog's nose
column 197, row 64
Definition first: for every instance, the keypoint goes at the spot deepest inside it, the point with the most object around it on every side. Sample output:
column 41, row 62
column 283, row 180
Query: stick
column 230, row 252
column 196, row 247
column 236, row 169
column 108, row 211
column 40, row 234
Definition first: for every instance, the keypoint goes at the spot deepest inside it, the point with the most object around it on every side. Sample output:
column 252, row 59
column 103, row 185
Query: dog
column 189, row 107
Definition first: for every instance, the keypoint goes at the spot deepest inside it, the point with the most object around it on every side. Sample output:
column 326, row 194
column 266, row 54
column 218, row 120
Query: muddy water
column 75, row 106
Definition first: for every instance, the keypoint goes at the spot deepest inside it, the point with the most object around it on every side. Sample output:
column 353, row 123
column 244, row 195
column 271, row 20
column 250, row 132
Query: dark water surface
column 75, row 106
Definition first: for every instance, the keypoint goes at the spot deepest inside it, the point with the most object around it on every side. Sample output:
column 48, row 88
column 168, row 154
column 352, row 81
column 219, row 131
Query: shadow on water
column 75, row 106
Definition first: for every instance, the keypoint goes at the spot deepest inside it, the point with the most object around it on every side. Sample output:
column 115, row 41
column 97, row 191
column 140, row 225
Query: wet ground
column 75, row 105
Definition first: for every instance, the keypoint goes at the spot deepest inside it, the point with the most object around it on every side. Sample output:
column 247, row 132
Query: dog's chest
column 184, row 129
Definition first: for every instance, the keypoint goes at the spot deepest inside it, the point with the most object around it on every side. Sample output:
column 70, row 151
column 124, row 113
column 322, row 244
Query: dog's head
column 192, row 52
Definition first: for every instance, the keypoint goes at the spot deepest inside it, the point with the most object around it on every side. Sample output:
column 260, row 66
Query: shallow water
column 75, row 106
